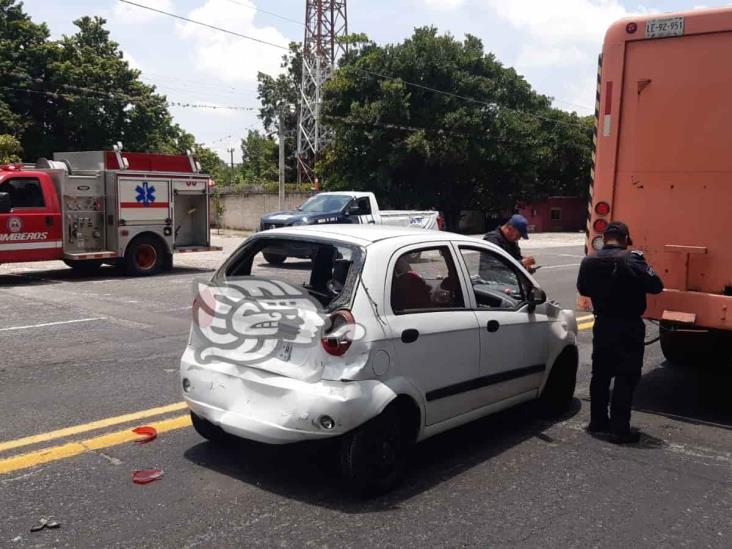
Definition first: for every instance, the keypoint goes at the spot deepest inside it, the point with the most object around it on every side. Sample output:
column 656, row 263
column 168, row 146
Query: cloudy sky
column 553, row 43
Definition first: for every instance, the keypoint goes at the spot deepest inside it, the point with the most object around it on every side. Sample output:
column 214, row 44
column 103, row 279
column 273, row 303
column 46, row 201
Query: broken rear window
column 327, row 269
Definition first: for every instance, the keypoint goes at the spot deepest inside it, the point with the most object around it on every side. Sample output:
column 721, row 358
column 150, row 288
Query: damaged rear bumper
column 270, row 408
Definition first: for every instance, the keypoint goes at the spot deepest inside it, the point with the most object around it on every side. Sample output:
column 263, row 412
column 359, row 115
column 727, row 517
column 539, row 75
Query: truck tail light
column 339, row 336
column 602, row 208
column 600, row 225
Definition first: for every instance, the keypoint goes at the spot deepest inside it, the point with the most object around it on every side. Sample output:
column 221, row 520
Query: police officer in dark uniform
column 617, row 280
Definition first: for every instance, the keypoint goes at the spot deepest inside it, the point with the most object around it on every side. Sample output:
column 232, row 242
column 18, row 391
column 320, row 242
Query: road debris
column 145, row 476
column 44, row 522
column 149, row 434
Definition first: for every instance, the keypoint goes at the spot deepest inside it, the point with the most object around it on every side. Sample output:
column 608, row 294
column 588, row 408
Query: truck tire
column 144, row 256
column 695, row 348
column 208, row 430
column 85, row 266
column 373, row 456
column 274, row 259
column 558, row 393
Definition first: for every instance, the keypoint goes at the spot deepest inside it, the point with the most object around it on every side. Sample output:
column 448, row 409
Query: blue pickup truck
column 346, row 207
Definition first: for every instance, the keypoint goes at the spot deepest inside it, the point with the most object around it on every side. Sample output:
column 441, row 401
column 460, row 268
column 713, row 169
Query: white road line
column 51, row 324
column 545, row 267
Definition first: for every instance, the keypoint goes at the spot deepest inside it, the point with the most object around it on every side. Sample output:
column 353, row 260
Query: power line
column 214, row 27
column 124, row 97
column 277, row 15
column 366, row 71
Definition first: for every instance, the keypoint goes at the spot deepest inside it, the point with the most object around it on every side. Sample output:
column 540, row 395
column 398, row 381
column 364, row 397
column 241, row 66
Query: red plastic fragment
column 149, row 434
column 145, row 476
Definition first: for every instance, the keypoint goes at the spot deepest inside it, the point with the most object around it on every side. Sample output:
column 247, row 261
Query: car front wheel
column 373, row 456
column 558, row 393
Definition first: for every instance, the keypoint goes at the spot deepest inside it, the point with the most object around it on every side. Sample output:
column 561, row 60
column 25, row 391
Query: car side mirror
column 537, row 296
column 354, row 210
column 5, row 203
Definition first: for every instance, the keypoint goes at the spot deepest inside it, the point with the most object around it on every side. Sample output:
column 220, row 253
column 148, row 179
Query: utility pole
column 231, row 171
column 281, row 129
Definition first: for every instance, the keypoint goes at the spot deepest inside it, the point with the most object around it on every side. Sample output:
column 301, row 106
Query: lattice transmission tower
column 326, row 26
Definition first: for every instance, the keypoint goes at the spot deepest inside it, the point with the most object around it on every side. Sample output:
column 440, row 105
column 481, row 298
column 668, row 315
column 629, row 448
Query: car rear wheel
column 208, row 430
column 558, row 393
column 144, row 256
column 274, row 259
column 373, row 456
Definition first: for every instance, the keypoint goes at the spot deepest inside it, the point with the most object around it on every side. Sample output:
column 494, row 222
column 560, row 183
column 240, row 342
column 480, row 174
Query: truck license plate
column 669, row 26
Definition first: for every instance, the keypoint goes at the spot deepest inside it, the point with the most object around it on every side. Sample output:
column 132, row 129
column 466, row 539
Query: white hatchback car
column 422, row 331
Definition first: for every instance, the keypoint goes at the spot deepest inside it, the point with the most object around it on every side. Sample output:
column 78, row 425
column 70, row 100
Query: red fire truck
column 90, row 208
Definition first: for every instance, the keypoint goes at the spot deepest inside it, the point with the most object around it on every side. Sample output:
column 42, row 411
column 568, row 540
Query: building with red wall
column 555, row 214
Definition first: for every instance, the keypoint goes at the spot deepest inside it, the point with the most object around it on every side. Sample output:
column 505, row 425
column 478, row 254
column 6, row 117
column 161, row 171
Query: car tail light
column 339, row 336
column 597, row 243
column 600, row 225
column 602, row 208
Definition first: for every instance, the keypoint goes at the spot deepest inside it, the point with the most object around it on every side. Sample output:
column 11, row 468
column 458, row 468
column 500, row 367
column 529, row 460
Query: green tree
column 104, row 100
column 10, row 149
column 419, row 148
column 25, row 53
column 260, row 155
column 77, row 93
column 281, row 94
column 211, row 163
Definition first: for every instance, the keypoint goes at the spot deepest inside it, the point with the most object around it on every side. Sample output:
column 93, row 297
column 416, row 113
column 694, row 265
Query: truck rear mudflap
column 692, row 308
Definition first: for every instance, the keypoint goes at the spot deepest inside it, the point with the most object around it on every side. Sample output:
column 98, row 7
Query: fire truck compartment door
column 190, row 186
column 144, row 201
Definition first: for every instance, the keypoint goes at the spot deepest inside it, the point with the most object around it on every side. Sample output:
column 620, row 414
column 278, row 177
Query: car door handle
column 493, row 326
column 410, row 335
column 49, row 220
column 372, row 222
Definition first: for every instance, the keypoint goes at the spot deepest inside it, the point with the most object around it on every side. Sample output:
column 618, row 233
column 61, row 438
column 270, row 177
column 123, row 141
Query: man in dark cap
column 617, row 280
column 507, row 236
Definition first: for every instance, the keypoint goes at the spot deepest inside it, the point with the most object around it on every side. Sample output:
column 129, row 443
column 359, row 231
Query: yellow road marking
column 71, row 449
column 586, row 325
column 76, row 429
column 582, row 319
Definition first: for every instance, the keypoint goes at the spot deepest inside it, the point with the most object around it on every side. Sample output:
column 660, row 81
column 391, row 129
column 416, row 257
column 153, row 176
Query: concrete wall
column 243, row 210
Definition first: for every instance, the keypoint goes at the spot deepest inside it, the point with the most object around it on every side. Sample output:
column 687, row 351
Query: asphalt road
column 81, row 354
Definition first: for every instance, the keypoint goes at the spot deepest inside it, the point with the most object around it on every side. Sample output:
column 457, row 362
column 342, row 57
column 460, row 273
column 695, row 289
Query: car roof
column 365, row 235
column 344, row 193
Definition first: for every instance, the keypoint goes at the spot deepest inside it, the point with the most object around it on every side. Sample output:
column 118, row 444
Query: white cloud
column 443, row 5
column 562, row 35
column 126, row 13
column 227, row 57
column 561, row 22
column 542, row 55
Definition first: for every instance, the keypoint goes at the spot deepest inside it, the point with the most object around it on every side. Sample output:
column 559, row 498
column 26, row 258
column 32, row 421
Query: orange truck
column 663, row 165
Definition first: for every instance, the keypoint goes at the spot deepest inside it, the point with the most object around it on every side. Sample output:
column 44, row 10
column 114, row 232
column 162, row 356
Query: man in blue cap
column 507, row 236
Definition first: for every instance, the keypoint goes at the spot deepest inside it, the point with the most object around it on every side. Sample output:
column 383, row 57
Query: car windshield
column 325, row 203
